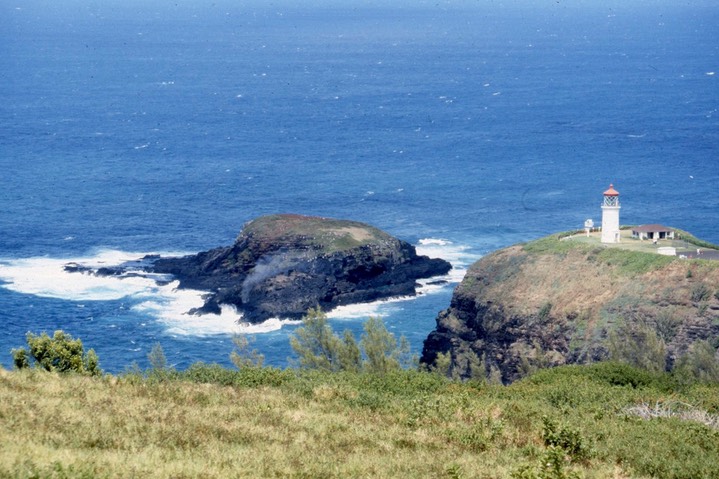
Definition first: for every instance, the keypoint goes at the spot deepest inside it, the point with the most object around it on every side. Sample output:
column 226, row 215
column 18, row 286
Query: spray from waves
column 48, row 278
column 171, row 305
column 153, row 295
column 459, row 256
column 159, row 297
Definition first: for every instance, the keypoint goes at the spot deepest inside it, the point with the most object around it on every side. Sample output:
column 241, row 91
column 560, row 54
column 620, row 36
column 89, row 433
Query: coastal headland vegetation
column 569, row 299
column 351, row 408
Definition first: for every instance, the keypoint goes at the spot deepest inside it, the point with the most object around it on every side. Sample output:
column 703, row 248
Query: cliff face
column 550, row 302
column 282, row 265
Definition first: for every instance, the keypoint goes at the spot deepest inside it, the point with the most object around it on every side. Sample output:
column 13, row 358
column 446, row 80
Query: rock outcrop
column 553, row 302
column 282, row 265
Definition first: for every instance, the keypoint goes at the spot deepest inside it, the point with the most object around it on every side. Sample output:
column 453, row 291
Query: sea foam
column 159, row 297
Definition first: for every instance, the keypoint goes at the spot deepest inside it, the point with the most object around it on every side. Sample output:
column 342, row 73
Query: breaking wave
column 159, row 297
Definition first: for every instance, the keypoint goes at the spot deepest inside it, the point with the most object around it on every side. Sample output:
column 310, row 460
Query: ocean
column 130, row 128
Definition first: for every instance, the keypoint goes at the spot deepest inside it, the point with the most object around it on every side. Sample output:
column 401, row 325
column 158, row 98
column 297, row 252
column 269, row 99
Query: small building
column 652, row 232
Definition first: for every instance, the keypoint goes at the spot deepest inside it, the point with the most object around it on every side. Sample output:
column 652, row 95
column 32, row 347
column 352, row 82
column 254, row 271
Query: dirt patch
column 358, row 234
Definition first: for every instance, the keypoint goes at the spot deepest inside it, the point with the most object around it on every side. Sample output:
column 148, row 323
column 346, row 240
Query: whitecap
column 158, row 296
column 47, row 277
column 458, row 255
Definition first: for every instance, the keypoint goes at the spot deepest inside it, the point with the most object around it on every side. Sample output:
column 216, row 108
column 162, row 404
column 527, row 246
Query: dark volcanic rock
column 282, row 265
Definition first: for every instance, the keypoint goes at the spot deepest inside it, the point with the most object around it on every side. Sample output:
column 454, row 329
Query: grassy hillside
column 329, row 234
column 567, row 299
column 590, row 421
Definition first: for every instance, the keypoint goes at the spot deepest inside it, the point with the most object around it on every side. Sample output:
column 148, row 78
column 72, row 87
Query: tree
column 700, row 362
column 243, row 356
column 318, row 347
column 61, row 353
column 639, row 345
column 315, row 344
column 156, row 356
column 350, row 355
column 381, row 350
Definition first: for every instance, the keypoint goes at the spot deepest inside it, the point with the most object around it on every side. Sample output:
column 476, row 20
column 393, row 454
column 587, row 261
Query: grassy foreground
column 590, row 421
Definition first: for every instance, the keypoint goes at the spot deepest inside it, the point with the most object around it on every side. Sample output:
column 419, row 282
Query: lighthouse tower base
column 610, row 224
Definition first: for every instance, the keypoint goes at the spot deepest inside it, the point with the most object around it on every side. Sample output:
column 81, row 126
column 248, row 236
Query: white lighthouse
column 610, row 216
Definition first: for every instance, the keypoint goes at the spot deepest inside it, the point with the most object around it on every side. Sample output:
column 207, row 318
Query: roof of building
column 611, row 191
column 653, row 228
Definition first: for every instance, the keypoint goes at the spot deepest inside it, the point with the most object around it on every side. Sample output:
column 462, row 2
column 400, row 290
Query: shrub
column 566, row 438
column 381, row 349
column 156, row 356
column 248, row 376
column 700, row 292
column 243, row 356
column 639, row 345
column 61, row 353
column 318, row 347
column 699, row 363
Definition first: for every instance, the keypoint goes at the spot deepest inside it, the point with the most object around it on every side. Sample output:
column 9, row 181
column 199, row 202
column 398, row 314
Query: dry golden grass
column 407, row 425
column 114, row 428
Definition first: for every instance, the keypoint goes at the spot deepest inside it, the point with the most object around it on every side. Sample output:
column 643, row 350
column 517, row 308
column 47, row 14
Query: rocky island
column 282, row 265
column 569, row 299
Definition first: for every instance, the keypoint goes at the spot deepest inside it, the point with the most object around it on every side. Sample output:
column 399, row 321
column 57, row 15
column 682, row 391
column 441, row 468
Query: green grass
column 555, row 244
column 632, row 263
column 329, row 234
column 690, row 238
column 630, row 258
column 263, row 422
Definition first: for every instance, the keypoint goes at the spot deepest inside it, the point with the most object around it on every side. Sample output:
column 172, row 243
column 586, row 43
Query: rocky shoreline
column 282, row 265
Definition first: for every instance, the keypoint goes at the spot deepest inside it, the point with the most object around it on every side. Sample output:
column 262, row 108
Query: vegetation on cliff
column 326, row 235
column 568, row 299
column 606, row 420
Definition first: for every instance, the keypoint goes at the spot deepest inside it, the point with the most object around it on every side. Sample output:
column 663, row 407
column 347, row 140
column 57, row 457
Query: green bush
column 700, row 292
column 243, row 356
column 622, row 374
column 318, row 347
column 566, row 438
column 698, row 364
column 632, row 263
column 61, row 353
column 249, row 376
column 638, row 345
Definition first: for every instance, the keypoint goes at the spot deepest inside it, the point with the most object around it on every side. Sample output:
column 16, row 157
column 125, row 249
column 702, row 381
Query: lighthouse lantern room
column 610, row 216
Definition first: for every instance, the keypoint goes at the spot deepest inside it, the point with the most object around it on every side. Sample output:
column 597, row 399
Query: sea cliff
column 556, row 301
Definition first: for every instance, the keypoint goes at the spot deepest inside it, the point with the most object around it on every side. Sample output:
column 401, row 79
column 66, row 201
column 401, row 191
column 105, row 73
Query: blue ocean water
column 133, row 128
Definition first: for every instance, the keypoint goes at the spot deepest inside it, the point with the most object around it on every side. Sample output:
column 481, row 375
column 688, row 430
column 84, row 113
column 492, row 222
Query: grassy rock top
column 326, row 234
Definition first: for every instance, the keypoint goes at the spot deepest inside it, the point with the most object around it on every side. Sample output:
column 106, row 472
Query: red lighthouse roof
column 611, row 191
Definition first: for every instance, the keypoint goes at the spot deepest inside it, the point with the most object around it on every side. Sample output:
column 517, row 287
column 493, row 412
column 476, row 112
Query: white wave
column 365, row 310
column 172, row 305
column 434, row 241
column 46, row 277
column 458, row 255
column 156, row 296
